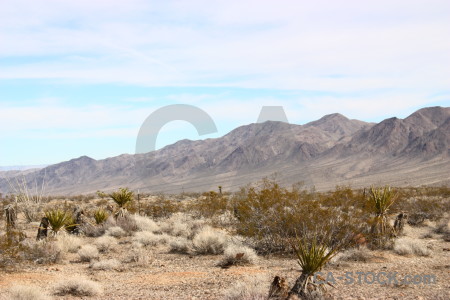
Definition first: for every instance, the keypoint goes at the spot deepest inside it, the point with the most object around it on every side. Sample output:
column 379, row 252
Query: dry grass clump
column 238, row 255
column 88, row 253
column 209, row 241
column 116, row 232
column 43, row 252
column 69, row 243
column 104, row 265
column 362, row 254
column 147, row 238
column 251, row 288
column 145, row 224
column 180, row 245
column 26, row 292
column 408, row 246
column 127, row 223
column 105, row 243
column 139, row 256
column 181, row 224
column 78, row 287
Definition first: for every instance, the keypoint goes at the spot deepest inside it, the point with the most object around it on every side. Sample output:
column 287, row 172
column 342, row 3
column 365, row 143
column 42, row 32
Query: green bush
column 271, row 215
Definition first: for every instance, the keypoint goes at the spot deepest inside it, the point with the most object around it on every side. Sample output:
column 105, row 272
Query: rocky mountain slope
column 324, row 153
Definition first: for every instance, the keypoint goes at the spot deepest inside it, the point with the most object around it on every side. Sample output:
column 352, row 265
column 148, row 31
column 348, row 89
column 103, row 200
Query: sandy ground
column 179, row 276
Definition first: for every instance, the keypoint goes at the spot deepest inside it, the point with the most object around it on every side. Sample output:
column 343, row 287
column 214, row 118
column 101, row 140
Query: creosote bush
column 270, row 215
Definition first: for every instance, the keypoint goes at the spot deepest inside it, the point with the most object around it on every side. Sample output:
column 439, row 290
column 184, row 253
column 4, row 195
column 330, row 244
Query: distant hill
column 333, row 150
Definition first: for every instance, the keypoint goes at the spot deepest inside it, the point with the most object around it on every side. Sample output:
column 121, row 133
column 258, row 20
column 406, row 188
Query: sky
column 81, row 77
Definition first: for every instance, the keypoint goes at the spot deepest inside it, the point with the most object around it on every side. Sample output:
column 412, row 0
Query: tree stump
column 11, row 216
column 43, row 229
column 400, row 223
column 278, row 289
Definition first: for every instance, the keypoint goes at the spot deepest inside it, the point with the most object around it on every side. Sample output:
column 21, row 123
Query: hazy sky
column 80, row 77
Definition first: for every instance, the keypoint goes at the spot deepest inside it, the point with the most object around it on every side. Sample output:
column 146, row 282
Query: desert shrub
column 407, row 246
column 11, row 248
column 209, row 205
column 443, row 226
column 147, row 238
column 139, row 256
column 145, row 224
column 421, row 208
column 344, row 197
column 209, row 241
column 270, row 215
column 100, row 216
column 69, row 243
column 238, row 255
column 116, row 232
column 180, row 245
column 77, row 287
column 58, row 219
column 105, row 265
column 250, row 288
column 122, row 197
column 161, row 208
column 26, row 292
column 127, row 223
column 105, row 243
column 43, row 252
column 181, row 224
column 93, row 231
column 362, row 254
column 88, row 253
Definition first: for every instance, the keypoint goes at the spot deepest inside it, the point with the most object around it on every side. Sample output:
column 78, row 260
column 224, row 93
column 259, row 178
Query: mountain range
column 333, row 150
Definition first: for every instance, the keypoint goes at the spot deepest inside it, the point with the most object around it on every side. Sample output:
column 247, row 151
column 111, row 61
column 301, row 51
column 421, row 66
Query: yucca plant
column 381, row 199
column 100, row 216
column 122, row 197
column 58, row 219
column 312, row 256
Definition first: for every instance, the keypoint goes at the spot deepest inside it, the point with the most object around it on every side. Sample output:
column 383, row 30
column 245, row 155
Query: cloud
column 250, row 44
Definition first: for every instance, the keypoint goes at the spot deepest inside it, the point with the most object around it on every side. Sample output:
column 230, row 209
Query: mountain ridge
column 322, row 153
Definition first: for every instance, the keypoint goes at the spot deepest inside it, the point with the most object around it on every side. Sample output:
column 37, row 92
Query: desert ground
column 162, row 253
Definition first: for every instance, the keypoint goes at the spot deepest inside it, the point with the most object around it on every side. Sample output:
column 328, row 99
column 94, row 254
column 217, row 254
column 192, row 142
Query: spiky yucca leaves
column 58, row 219
column 381, row 199
column 122, row 197
column 312, row 255
column 100, row 216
